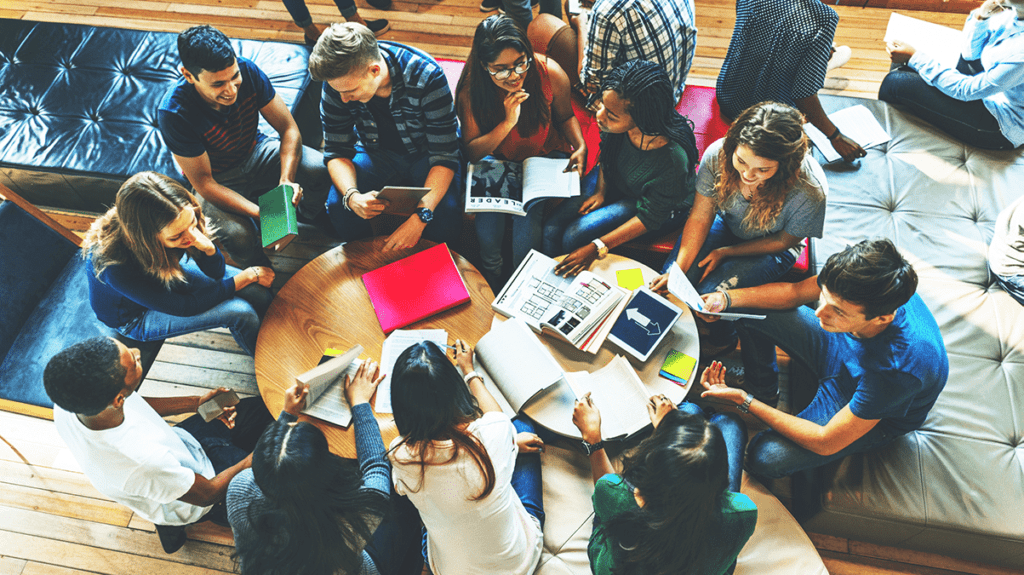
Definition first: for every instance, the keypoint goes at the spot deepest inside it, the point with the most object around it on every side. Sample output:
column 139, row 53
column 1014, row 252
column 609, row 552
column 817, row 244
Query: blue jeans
column 565, row 229
column 522, row 10
column 300, row 14
column 376, row 169
column 969, row 122
column 226, row 447
column 732, row 273
column 1014, row 285
column 393, row 547
column 241, row 314
column 239, row 235
column 769, row 454
column 526, row 481
column 734, row 432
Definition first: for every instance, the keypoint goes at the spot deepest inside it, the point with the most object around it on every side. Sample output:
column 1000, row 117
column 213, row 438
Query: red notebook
column 415, row 287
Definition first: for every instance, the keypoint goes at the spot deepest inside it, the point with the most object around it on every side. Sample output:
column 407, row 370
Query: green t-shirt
column 657, row 179
column 613, row 496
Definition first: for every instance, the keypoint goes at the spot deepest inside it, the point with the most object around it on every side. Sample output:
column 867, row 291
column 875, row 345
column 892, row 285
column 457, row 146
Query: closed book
column 278, row 221
column 415, row 287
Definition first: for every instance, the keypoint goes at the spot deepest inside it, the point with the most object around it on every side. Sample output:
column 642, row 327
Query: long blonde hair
column 774, row 131
column 128, row 232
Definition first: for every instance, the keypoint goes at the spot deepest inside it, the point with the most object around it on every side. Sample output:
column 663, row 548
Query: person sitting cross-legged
column 172, row 476
column 872, row 342
column 210, row 119
column 389, row 119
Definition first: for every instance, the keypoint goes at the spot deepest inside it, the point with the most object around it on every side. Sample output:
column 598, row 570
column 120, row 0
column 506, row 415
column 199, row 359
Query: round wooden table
column 557, row 412
column 326, row 305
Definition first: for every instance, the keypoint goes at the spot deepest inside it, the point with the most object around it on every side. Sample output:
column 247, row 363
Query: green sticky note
column 679, row 364
column 630, row 279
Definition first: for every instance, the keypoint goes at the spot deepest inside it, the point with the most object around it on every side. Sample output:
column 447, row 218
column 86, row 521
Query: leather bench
column 78, row 106
column 956, row 486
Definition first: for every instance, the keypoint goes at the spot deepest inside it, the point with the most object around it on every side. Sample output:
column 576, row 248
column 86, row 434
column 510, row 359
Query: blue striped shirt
column 659, row 31
column 779, row 51
column 421, row 103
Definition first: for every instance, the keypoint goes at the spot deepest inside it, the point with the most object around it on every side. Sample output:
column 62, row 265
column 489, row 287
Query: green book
column 278, row 221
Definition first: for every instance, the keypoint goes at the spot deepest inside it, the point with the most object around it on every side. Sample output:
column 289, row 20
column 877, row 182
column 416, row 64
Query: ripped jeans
column 731, row 273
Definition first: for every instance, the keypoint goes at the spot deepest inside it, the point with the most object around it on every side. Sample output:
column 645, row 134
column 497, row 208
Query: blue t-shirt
column 895, row 376
column 190, row 126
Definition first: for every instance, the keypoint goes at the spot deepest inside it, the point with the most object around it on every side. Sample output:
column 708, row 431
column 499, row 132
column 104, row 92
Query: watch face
column 425, row 215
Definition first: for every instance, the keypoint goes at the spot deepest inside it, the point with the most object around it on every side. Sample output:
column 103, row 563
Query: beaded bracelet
column 348, row 195
column 728, row 299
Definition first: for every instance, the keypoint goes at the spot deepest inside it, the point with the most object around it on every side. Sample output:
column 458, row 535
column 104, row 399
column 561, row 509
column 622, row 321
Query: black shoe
column 378, row 27
column 380, row 4
column 735, row 378
column 172, row 537
column 490, row 5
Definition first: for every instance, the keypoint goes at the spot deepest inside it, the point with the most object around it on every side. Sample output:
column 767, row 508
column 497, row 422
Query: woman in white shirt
column 981, row 101
column 459, row 459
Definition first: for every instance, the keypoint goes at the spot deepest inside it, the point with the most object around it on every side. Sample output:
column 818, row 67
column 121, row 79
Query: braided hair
column 648, row 93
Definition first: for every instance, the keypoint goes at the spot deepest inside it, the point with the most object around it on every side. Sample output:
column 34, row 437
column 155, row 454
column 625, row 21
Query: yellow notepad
column 630, row 279
column 679, row 366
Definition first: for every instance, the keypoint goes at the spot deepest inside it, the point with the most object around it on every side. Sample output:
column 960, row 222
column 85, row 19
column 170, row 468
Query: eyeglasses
column 519, row 69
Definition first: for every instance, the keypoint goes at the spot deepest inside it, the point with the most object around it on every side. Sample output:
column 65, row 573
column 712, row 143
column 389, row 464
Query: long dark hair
column 431, row 403
column 651, row 103
column 315, row 516
column 681, row 471
column 494, row 35
column 774, row 131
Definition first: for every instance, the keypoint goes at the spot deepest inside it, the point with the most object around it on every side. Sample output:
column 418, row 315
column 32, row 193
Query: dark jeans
column 798, row 332
column 526, row 481
column 394, row 547
column 565, row 229
column 522, row 10
column 226, row 447
column 300, row 14
column 969, row 122
column 376, row 169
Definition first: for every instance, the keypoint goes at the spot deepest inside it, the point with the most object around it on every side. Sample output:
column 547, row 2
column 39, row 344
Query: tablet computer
column 644, row 322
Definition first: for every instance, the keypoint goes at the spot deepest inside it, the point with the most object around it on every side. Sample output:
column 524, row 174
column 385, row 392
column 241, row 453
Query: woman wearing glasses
column 513, row 106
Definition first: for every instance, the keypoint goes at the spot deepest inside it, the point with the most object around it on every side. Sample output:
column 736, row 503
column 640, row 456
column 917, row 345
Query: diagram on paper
column 544, row 294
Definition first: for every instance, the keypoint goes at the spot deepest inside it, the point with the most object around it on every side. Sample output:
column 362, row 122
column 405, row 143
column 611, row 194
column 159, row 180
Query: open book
column 679, row 285
column 326, row 399
column 512, row 187
column 578, row 310
column 519, row 372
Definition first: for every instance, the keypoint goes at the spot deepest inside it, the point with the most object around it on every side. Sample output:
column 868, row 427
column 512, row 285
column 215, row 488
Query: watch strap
column 745, row 406
column 591, row 448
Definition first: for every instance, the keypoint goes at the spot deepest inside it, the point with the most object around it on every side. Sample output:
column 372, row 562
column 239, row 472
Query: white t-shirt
column 493, row 535
column 143, row 464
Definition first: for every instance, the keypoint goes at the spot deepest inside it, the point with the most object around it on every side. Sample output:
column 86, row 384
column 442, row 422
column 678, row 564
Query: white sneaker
column 840, row 57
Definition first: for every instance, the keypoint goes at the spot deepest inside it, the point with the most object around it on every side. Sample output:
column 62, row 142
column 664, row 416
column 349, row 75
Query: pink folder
column 415, row 287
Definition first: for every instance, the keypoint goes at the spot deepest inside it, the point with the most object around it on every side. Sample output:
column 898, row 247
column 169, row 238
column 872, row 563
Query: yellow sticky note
column 630, row 279
column 679, row 365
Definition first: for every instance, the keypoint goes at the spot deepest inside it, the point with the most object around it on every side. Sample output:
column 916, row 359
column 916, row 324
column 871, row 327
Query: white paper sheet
column 856, row 123
column 679, row 285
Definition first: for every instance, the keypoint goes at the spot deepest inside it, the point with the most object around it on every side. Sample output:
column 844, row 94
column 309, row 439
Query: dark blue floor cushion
column 44, row 304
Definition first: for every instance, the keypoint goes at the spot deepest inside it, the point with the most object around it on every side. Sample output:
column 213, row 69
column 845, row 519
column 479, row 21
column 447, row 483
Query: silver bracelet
column 728, row 299
column 348, row 195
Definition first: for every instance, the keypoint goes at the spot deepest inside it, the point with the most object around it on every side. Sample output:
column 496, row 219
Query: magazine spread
column 512, row 187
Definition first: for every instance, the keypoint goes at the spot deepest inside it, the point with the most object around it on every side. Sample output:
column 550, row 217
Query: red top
column 545, row 140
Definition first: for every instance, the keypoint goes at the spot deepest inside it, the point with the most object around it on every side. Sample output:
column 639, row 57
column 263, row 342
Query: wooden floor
column 52, row 521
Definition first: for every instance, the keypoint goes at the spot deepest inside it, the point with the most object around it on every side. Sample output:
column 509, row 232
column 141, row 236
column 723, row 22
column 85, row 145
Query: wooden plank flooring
column 53, row 522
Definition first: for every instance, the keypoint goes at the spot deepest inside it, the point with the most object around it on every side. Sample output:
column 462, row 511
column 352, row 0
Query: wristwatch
column 591, row 448
column 426, row 216
column 602, row 250
column 745, row 406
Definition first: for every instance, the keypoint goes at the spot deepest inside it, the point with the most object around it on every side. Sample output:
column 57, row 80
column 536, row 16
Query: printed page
column 857, row 123
column 940, row 42
column 617, row 391
column 331, row 405
column 518, row 364
column 545, row 178
column 533, row 289
column 679, row 285
column 399, row 341
column 495, row 186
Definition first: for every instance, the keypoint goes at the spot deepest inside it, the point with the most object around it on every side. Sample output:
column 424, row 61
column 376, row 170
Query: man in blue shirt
column 389, row 119
column 872, row 342
column 210, row 120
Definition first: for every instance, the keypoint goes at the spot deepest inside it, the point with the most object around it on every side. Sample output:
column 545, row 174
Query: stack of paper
column 678, row 367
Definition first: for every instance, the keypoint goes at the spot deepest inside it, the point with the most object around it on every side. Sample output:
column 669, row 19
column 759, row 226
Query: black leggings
column 969, row 122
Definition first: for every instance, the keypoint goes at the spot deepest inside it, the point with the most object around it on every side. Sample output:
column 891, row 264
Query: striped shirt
column 421, row 103
column 659, row 31
column 190, row 126
column 779, row 51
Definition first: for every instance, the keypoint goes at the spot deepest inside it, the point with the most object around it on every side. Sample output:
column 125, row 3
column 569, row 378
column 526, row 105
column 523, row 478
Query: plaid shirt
column 421, row 103
column 660, row 31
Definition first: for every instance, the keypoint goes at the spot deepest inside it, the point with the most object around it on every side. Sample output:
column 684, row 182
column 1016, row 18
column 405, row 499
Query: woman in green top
column 676, row 509
column 645, row 180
